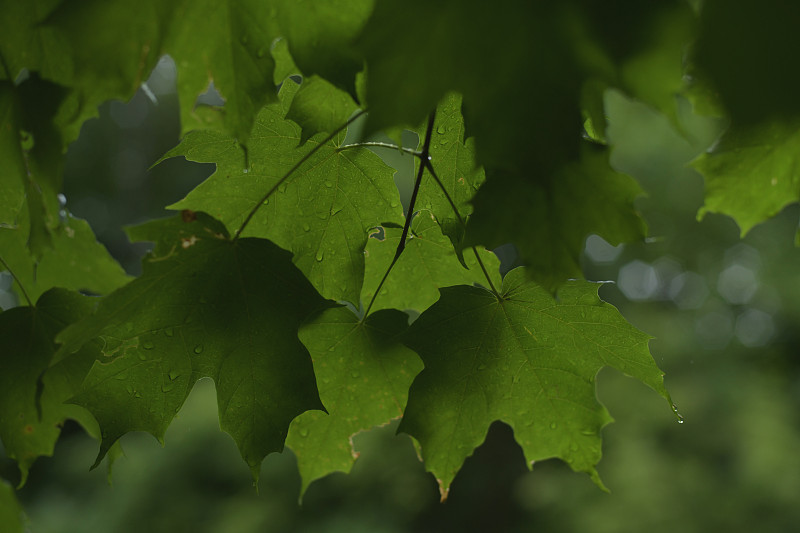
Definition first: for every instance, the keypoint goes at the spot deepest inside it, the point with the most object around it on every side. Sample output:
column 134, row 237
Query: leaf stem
column 19, row 284
column 410, row 213
column 463, row 223
column 375, row 144
column 292, row 170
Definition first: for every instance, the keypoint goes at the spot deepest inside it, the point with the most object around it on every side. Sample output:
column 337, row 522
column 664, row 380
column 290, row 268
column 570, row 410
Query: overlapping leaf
column 204, row 306
column 10, row 510
column 323, row 213
column 428, row 262
column 74, row 261
column 363, row 374
column 751, row 174
column 453, row 160
column 746, row 51
column 549, row 218
column 32, row 406
column 31, row 145
column 527, row 360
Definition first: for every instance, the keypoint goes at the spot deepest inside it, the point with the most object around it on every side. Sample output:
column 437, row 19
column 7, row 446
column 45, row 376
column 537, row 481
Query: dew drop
column 147, row 345
column 481, row 366
column 677, row 414
column 137, row 394
column 142, row 356
column 441, row 129
column 393, row 203
column 173, row 375
column 306, row 227
column 553, row 425
column 198, row 348
column 168, row 386
column 282, row 188
column 303, row 432
column 354, row 374
column 320, row 255
column 169, row 332
column 328, row 184
column 129, row 389
column 443, row 142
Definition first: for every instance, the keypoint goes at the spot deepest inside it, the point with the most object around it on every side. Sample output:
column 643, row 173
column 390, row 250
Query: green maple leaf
column 75, row 260
column 427, row 263
column 548, row 219
column 319, row 106
column 11, row 515
column 322, row 214
column 32, row 393
column 32, row 146
column 363, row 374
column 743, row 50
column 751, row 174
column 11, row 154
column 26, row 44
column 453, row 160
column 322, row 34
column 204, row 306
column 512, row 60
column 117, row 43
column 527, row 360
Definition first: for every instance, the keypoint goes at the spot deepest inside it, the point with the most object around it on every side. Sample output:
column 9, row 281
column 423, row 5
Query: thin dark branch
column 19, row 284
column 424, row 156
column 292, row 170
column 429, row 166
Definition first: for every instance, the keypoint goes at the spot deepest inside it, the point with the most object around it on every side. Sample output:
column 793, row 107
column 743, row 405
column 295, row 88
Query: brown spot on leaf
column 27, row 429
column 188, row 215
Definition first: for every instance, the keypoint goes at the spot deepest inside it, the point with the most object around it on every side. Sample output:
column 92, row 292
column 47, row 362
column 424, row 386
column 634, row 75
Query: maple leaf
column 549, row 219
column 363, row 374
column 525, row 359
column 32, row 393
column 428, row 262
column 203, row 306
column 743, row 49
column 75, row 260
column 11, row 515
column 32, row 145
column 318, row 106
column 453, row 160
column 751, row 173
column 322, row 214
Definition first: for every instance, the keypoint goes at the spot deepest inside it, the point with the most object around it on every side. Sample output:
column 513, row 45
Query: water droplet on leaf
column 173, row 375
column 553, row 425
column 198, row 348
column 303, row 432
column 328, row 184
column 441, row 129
column 320, row 255
column 168, row 386
column 306, row 227
column 169, row 332
column 148, row 345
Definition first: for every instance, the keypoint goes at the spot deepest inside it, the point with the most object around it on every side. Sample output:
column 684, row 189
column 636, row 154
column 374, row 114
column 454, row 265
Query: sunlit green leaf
column 528, row 360
column 363, row 374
